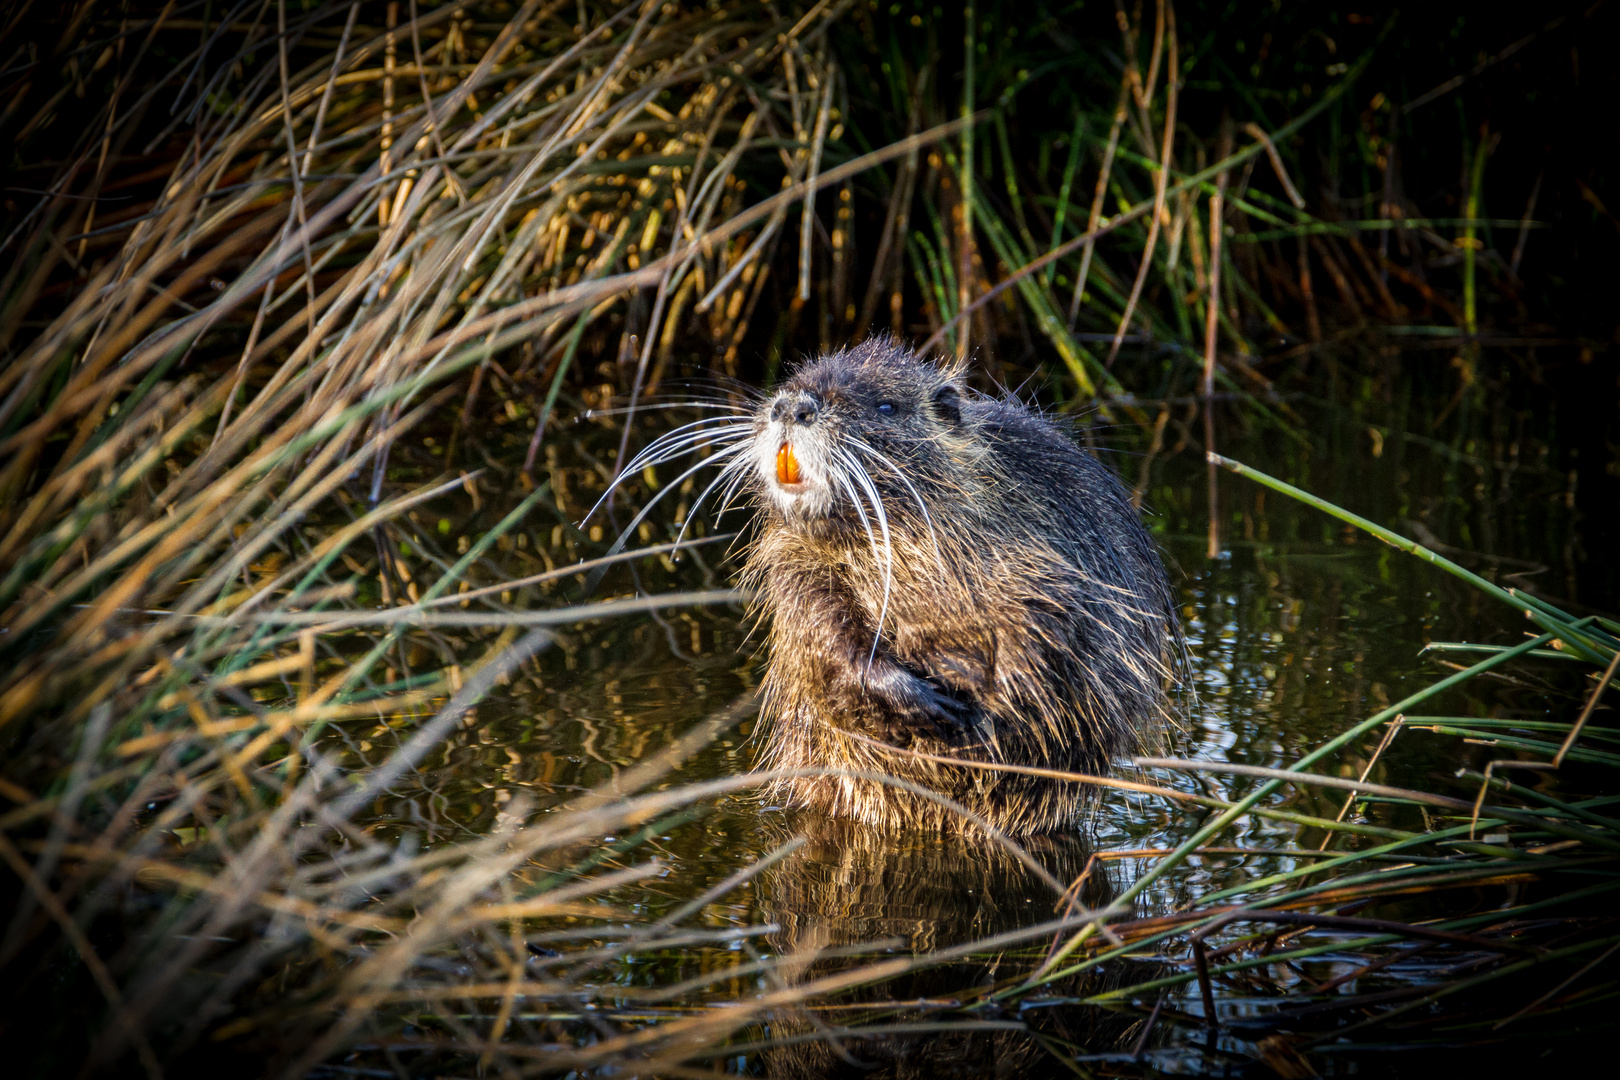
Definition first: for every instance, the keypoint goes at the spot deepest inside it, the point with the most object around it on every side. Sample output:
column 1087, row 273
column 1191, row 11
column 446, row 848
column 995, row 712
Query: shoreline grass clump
column 249, row 252
column 357, row 215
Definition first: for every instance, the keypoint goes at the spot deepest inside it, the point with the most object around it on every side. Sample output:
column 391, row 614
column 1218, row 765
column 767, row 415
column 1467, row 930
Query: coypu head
column 856, row 444
column 859, row 440
column 853, row 431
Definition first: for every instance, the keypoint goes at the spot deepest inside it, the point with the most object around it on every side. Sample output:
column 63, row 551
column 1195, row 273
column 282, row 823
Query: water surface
column 1299, row 629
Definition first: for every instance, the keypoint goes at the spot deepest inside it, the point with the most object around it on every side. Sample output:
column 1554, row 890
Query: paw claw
column 909, row 705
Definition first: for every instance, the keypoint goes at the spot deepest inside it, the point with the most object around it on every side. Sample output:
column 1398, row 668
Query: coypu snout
column 792, row 458
column 795, row 408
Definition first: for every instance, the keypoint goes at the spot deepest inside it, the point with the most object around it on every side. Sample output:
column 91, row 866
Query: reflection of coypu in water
column 946, row 572
column 852, row 884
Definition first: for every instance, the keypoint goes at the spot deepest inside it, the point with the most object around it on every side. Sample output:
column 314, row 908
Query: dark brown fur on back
column 1026, row 618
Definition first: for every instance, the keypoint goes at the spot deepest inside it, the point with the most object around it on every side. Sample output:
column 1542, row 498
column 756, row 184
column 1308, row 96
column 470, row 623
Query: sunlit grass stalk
column 364, row 222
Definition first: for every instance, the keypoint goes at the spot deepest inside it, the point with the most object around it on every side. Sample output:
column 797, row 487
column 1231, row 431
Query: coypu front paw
column 909, row 705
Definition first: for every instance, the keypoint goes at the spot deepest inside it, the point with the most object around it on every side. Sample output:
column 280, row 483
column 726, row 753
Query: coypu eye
column 886, row 408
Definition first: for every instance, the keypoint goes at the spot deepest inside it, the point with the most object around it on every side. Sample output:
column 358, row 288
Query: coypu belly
column 1014, row 691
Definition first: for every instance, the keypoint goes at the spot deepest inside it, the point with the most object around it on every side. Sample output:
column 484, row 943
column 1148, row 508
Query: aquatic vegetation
column 325, row 324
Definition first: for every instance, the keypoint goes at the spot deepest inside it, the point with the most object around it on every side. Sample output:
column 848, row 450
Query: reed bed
column 269, row 247
column 349, row 228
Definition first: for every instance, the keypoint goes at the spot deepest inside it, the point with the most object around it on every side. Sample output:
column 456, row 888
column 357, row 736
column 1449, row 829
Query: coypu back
column 949, row 574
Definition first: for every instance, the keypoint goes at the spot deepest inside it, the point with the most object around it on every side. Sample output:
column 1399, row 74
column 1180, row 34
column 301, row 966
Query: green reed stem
column 1561, row 624
column 1070, row 169
column 1047, row 971
column 1576, row 635
column 1341, row 860
column 1470, row 243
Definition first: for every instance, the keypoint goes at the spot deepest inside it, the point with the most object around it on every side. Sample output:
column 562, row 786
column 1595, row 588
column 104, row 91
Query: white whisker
column 866, row 523
column 673, row 485
column 730, row 466
column 673, row 445
column 682, row 447
column 707, row 423
column 737, row 410
column 668, row 447
column 865, row 480
column 733, row 489
column 915, row 494
column 702, row 431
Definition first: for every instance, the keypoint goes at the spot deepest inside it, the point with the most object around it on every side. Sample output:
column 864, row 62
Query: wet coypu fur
column 946, row 572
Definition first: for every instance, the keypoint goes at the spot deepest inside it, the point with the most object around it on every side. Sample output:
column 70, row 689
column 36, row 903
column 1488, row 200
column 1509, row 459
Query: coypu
column 943, row 571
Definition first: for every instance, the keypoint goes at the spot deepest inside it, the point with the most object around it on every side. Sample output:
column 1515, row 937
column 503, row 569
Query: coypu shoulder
column 950, row 574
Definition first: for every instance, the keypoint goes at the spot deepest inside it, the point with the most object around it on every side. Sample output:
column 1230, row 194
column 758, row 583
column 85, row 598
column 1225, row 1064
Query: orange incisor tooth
column 787, row 466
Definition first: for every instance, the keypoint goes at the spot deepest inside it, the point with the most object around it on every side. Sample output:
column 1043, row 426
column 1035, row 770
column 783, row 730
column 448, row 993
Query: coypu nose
column 798, row 408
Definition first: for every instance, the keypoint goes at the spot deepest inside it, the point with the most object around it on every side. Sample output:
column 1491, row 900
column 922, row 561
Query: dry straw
column 329, row 243
column 355, row 217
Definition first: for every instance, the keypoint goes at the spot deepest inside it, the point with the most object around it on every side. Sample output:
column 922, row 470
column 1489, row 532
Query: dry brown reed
column 220, row 323
column 344, row 218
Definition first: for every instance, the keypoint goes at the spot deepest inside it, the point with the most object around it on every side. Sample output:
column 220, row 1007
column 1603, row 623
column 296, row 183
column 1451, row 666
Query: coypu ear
column 948, row 400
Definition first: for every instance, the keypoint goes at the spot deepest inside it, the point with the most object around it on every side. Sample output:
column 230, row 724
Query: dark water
column 1299, row 629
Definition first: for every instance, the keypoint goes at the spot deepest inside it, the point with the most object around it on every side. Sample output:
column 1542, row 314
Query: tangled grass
column 266, row 245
